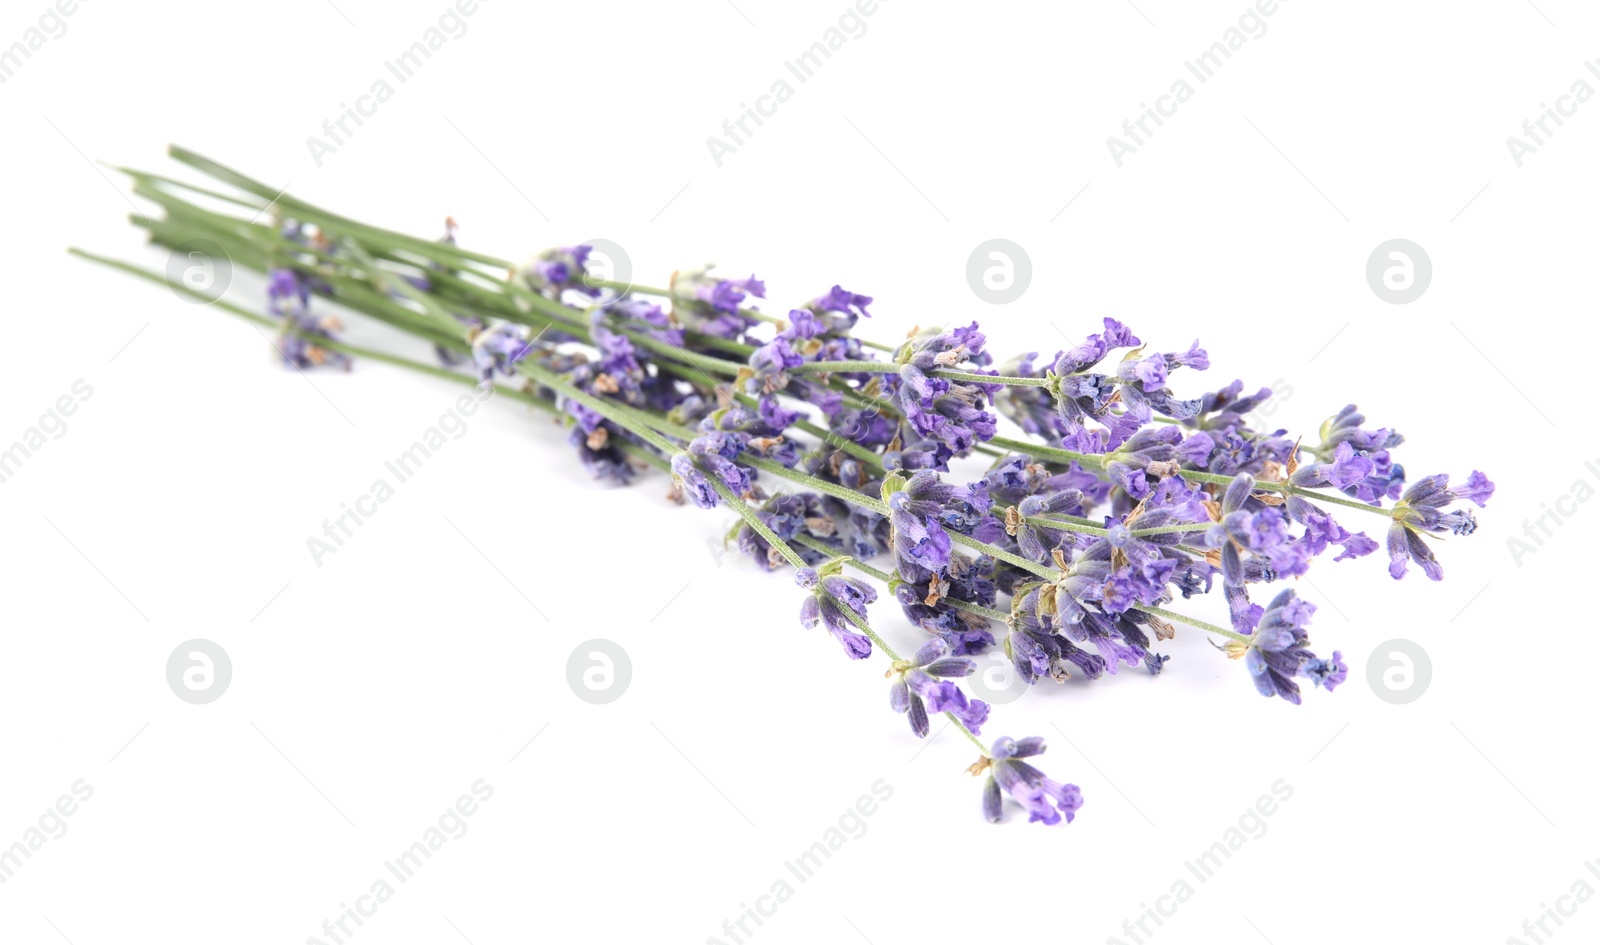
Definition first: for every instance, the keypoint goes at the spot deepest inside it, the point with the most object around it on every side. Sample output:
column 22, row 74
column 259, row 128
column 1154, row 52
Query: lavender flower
column 948, row 413
column 787, row 516
column 839, row 309
column 1276, row 653
column 833, row 599
column 1036, row 648
column 289, row 298
column 556, row 270
column 496, row 350
column 710, row 305
column 711, row 453
column 1047, row 802
column 1420, row 512
column 1157, row 494
column 790, row 348
column 921, row 545
column 922, row 685
column 288, row 295
column 933, row 607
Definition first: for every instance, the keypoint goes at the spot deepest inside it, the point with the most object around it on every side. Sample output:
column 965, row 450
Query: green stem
column 1032, row 567
column 1208, row 627
column 843, row 493
column 982, row 748
column 329, row 343
column 1074, row 526
column 889, row 367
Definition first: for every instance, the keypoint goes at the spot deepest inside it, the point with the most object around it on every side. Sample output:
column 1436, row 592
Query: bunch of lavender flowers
column 861, row 466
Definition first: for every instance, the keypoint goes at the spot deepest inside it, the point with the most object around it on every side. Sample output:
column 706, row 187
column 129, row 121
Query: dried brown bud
column 1013, row 520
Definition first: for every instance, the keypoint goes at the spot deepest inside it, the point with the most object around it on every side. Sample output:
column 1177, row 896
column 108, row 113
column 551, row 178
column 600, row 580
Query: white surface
column 405, row 669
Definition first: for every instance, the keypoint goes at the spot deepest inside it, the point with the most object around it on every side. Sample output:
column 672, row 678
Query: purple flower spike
column 1329, row 673
column 922, row 685
column 1346, row 468
column 832, row 600
column 921, row 545
column 289, row 299
column 1195, row 358
column 710, row 304
column 1095, row 348
column 1420, row 513
column 1277, row 651
column 1151, row 371
column 1047, row 802
column 1476, row 490
column 839, row 309
column 693, row 482
column 498, row 349
column 288, row 295
column 557, row 270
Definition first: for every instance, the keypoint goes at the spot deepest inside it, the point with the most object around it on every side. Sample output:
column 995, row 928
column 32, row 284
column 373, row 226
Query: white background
column 370, row 692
